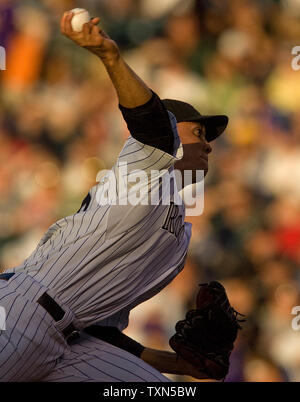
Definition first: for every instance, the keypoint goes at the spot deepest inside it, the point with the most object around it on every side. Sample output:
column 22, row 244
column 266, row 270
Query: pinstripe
column 86, row 254
column 133, row 152
column 129, row 252
column 12, row 330
column 22, row 338
column 115, row 365
column 83, row 244
column 151, row 278
column 30, row 286
column 61, row 231
column 158, row 161
column 82, row 219
column 100, row 371
column 27, row 341
column 8, row 294
column 130, row 141
column 64, row 242
column 142, row 278
column 89, row 350
column 120, row 357
column 97, row 271
column 145, row 255
column 81, row 260
column 37, row 261
column 116, row 293
column 45, row 358
column 59, row 378
column 8, row 312
column 81, row 372
column 111, row 254
column 33, row 340
column 145, row 220
column 36, row 354
column 47, row 272
column 143, row 159
column 99, row 289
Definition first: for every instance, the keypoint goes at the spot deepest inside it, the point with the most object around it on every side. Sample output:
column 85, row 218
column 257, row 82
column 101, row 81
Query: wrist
column 110, row 61
column 109, row 57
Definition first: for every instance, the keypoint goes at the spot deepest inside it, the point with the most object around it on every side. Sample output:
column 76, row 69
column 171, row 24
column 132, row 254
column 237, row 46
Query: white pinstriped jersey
column 106, row 259
column 32, row 347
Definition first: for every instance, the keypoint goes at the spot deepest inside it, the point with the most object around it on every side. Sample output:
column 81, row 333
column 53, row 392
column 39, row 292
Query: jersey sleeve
column 141, row 156
column 150, row 124
column 138, row 170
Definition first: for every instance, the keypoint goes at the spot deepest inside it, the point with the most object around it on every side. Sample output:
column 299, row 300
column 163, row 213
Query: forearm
column 146, row 118
column 170, row 363
column 163, row 361
column 130, row 88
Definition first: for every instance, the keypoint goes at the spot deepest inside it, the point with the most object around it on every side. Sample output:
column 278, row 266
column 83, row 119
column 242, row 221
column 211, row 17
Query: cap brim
column 215, row 125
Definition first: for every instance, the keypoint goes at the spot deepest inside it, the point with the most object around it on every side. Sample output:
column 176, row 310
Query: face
column 195, row 148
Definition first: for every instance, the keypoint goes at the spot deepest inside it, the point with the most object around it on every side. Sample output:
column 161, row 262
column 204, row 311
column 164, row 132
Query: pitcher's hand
column 91, row 38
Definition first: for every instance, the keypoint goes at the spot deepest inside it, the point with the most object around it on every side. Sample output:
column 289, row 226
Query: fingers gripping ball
column 80, row 17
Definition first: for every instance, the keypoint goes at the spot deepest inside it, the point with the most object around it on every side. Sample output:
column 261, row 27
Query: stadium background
column 60, row 125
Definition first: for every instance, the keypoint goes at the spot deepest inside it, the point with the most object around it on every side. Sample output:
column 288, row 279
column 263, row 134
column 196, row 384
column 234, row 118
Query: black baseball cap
column 214, row 124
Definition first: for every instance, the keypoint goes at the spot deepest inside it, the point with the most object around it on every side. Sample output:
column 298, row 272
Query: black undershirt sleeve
column 115, row 337
column 150, row 124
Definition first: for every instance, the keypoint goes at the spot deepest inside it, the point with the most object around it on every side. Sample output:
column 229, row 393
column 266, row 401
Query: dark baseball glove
column 205, row 338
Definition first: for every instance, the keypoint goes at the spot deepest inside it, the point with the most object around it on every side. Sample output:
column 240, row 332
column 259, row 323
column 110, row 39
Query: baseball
column 80, row 17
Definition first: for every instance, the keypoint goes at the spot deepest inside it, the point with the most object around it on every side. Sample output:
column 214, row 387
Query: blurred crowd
column 60, row 125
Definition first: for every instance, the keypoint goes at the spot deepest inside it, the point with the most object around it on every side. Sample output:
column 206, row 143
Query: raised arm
column 146, row 117
column 131, row 90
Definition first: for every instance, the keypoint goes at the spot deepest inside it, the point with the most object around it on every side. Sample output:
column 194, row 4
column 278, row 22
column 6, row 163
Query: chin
column 190, row 166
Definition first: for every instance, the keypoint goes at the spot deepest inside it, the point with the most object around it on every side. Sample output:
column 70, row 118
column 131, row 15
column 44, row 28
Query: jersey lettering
column 173, row 222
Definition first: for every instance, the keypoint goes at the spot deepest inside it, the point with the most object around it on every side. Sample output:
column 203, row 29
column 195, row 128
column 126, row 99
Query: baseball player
column 96, row 265
column 202, row 342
